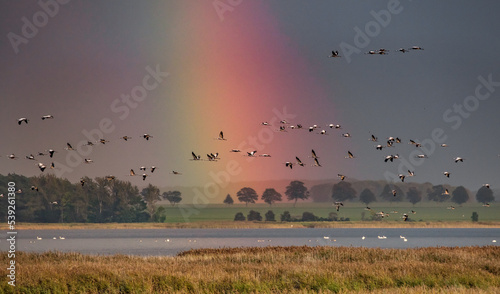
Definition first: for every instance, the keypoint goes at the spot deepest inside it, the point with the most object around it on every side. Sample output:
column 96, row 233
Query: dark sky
column 229, row 66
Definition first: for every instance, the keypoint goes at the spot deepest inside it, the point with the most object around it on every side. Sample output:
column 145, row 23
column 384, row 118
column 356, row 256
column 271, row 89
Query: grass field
column 426, row 212
column 428, row 215
column 263, row 270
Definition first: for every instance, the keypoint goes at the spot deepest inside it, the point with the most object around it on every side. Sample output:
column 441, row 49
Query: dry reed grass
column 264, row 270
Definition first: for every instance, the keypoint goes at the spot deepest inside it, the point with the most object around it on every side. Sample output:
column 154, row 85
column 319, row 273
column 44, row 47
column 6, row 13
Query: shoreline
column 253, row 225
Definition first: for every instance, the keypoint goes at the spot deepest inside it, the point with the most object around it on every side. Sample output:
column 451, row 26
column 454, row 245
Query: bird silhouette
column 21, row 120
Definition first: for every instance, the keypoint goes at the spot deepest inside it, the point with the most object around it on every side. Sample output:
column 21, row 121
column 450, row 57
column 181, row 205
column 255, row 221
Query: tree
column 414, row 195
column 270, row 196
column 437, row 193
column 47, row 198
column 388, row 195
column 151, row 195
column 172, row 196
column 102, row 199
column 321, row 193
column 367, row 196
column 247, row 195
column 159, row 215
column 285, row 216
column 332, row 216
column 343, row 191
column 229, row 200
column 484, row 195
column 475, row 216
column 254, row 216
column 309, row 217
column 270, row 216
column 239, row 217
column 295, row 191
column 460, row 195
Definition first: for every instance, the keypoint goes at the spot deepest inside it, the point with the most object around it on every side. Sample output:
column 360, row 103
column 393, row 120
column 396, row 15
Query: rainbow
column 231, row 74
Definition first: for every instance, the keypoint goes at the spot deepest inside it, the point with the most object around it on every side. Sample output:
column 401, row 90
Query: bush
column 159, row 215
column 309, row 217
column 475, row 217
column 286, row 217
column 270, row 216
column 239, row 217
column 254, row 216
column 332, row 216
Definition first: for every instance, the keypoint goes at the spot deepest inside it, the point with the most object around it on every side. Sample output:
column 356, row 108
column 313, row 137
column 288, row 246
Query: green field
column 425, row 212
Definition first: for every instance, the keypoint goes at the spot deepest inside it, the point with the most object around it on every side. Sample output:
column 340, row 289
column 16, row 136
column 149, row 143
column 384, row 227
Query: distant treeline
column 372, row 191
column 49, row 199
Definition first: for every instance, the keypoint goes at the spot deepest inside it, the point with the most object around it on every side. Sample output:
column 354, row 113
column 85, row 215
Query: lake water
column 157, row 242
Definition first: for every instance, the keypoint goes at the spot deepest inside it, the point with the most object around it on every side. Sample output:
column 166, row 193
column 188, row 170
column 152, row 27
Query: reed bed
column 264, row 270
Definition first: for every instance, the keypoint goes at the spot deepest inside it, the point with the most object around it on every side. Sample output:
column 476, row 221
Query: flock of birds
column 69, row 147
column 284, row 126
column 380, row 51
column 391, row 142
